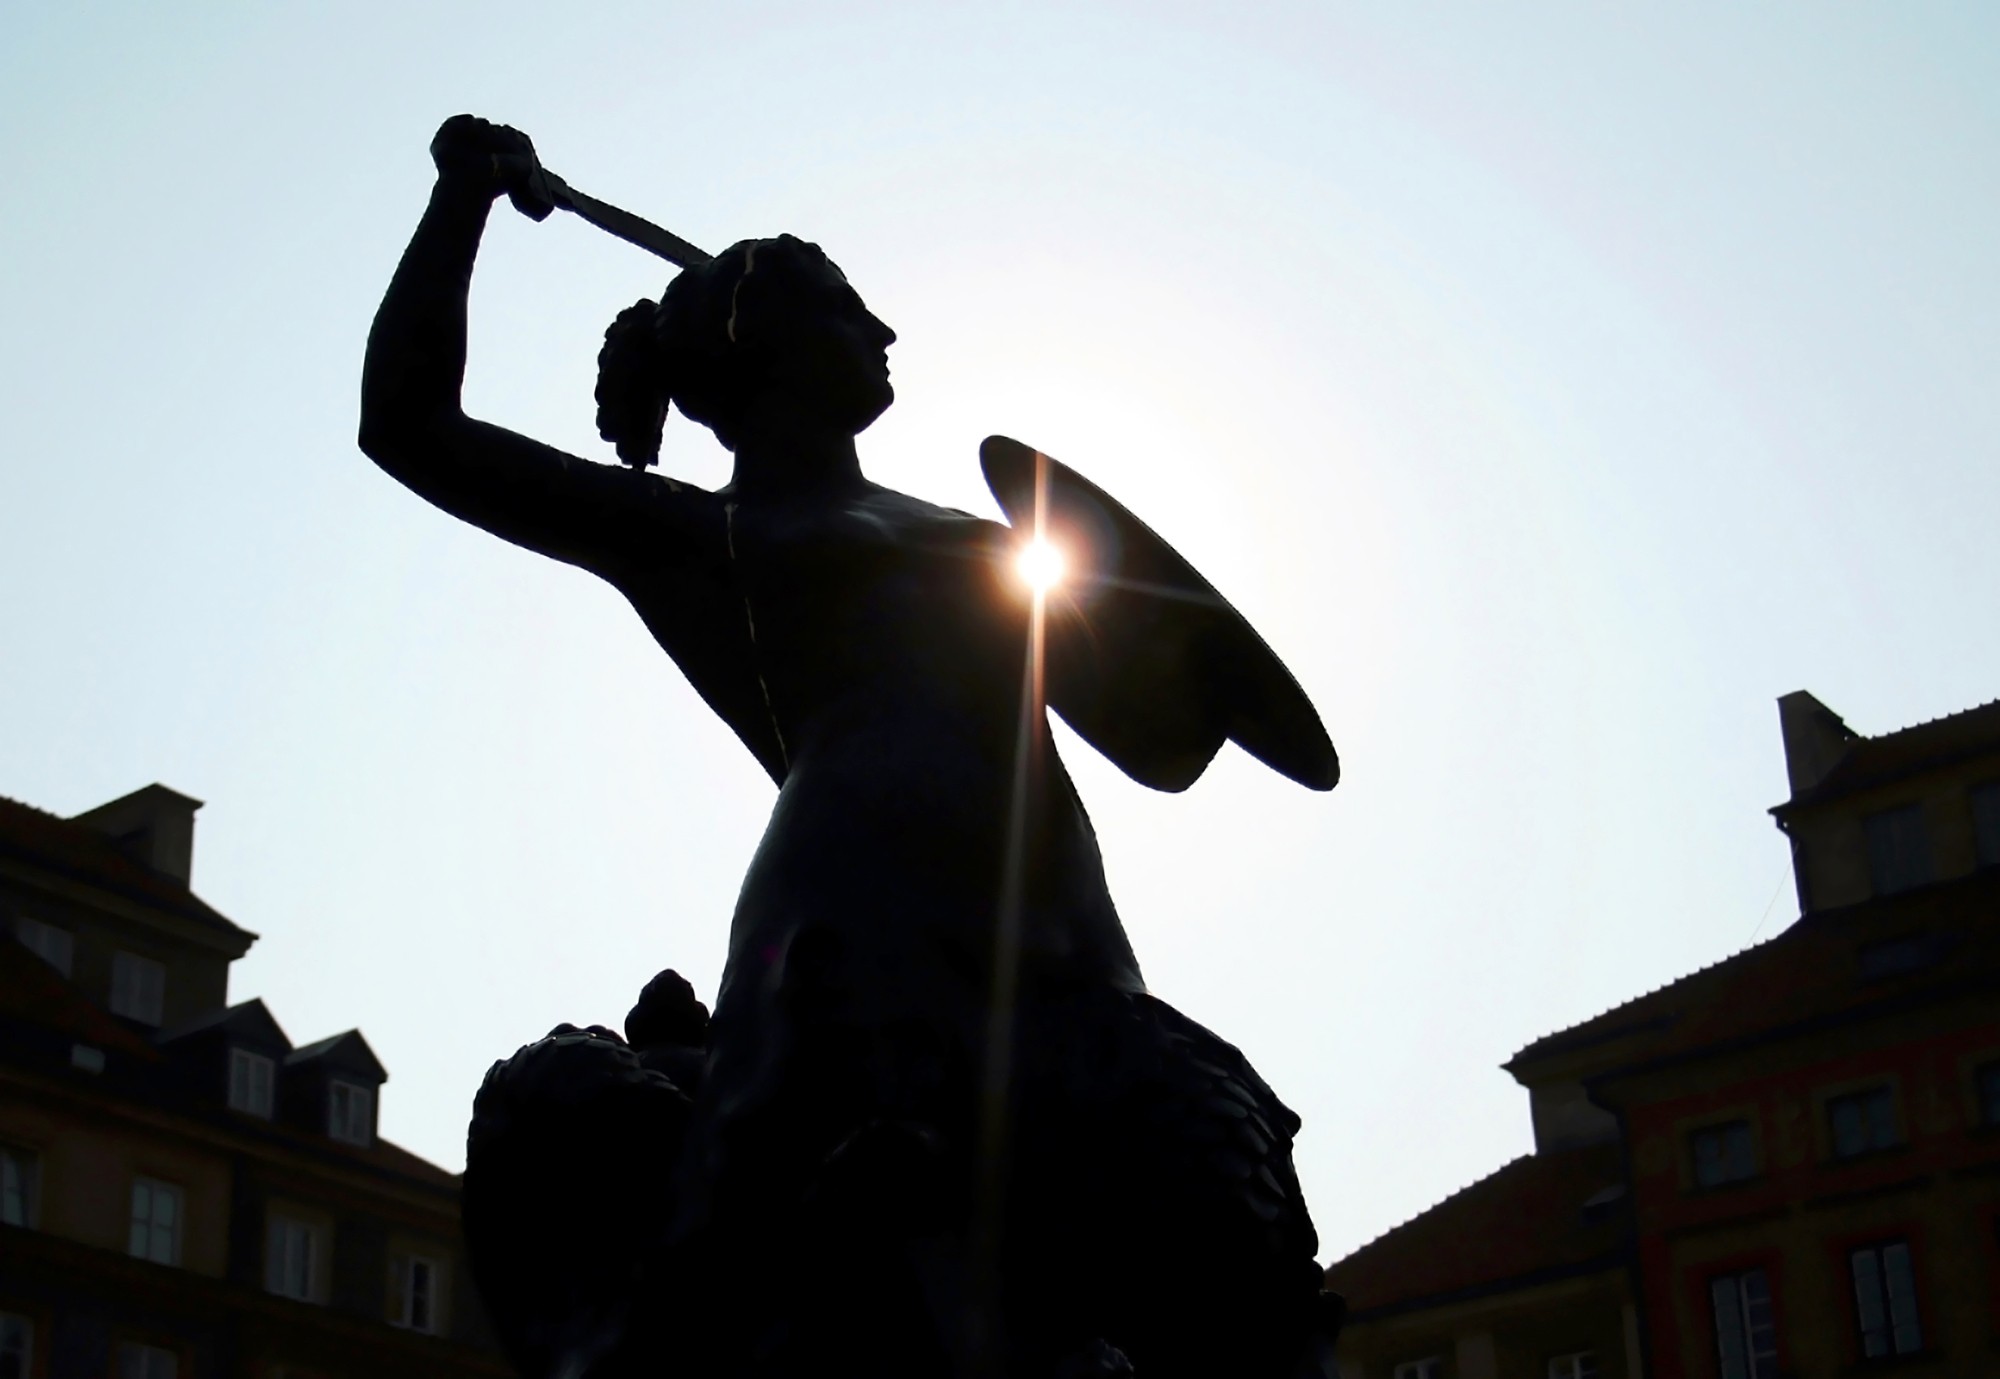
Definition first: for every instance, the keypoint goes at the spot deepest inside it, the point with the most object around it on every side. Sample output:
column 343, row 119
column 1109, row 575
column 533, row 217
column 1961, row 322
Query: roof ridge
column 1932, row 722
column 1441, row 1202
column 1521, row 1220
column 36, row 809
column 73, row 848
column 1659, row 990
column 322, row 1045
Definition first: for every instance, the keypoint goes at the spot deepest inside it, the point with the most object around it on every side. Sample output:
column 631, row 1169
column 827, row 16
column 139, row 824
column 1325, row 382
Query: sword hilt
column 530, row 191
column 531, row 205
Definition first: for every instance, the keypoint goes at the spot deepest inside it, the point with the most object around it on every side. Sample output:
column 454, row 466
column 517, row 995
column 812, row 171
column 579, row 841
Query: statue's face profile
column 828, row 349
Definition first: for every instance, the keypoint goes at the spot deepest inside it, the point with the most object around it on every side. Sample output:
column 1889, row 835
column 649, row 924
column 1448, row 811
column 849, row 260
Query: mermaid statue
column 936, row 1126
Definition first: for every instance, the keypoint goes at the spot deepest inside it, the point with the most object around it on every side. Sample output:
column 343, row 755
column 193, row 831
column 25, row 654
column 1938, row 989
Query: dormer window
column 251, row 1078
column 138, row 988
column 350, row 1113
column 54, row 946
column 1899, row 849
column 332, row 1082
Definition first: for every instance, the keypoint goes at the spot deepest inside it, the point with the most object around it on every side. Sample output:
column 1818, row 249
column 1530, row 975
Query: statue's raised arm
column 414, row 426
column 664, row 545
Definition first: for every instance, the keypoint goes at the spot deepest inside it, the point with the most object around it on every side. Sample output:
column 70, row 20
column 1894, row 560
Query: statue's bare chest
column 881, row 590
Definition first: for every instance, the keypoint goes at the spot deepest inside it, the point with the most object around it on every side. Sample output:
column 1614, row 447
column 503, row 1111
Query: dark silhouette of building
column 183, row 1193
column 1785, row 1164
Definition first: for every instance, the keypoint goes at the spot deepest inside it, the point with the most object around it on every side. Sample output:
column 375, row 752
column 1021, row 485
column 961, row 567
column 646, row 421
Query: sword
column 541, row 191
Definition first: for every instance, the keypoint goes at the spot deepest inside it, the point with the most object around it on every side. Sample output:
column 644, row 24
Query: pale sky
column 1553, row 386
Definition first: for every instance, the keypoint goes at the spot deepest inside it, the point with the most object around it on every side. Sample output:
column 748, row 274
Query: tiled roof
column 1524, row 1222
column 1870, row 761
column 1654, row 1012
column 250, row 1019
column 36, row 994
column 1813, row 970
column 347, row 1050
column 82, row 853
column 397, row 1159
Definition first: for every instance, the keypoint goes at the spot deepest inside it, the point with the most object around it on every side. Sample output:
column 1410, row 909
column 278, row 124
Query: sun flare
column 1041, row 565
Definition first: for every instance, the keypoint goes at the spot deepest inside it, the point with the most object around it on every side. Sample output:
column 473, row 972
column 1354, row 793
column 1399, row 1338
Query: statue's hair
column 698, row 347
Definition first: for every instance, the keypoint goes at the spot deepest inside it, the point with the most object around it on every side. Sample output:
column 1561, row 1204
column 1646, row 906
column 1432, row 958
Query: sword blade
column 626, row 226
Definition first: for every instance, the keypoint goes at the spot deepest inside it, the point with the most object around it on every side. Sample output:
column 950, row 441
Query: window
column 18, row 1172
column 350, row 1113
column 1862, row 1121
column 1986, row 822
column 1898, row 957
column 1885, row 1300
column 1899, row 849
column 17, row 1346
column 138, row 988
column 156, row 1221
column 288, row 1259
column 56, row 947
column 250, row 1082
column 1432, row 1368
column 418, row 1296
column 1746, row 1333
column 136, row 1361
column 1580, row 1365
column 1986, row 1087
column 1723, row 1154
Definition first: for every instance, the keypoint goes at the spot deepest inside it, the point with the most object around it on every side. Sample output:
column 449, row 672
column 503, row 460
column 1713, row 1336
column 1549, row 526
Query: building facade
column 1796, row 1151
column 184, row 1194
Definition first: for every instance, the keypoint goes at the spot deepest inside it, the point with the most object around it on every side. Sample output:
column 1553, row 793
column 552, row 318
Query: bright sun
column 1041, row 565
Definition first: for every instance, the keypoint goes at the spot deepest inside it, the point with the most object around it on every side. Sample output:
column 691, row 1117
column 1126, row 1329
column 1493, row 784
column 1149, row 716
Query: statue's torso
column 888, row 641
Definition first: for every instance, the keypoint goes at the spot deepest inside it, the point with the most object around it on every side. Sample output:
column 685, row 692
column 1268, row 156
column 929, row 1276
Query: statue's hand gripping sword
column 540, row 191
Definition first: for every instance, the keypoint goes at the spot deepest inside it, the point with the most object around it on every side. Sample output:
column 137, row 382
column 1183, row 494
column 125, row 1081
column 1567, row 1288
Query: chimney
column 154, row 825
column 1815, row 740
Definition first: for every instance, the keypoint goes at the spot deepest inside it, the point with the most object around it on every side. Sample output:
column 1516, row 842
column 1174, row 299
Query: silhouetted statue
column 940, row 1128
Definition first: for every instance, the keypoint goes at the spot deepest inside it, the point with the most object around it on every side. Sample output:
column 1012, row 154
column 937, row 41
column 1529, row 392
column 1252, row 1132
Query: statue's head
column 767, row 322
